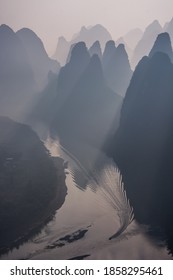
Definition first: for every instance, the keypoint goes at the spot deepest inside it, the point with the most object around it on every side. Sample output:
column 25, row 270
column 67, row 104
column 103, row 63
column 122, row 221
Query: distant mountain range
column 88, row 35
column 150, row 34
column 144, row 45
column 73, row 109
column 137, row 43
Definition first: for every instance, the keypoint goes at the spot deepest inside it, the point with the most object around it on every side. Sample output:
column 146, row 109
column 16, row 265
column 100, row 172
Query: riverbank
column 41, row 218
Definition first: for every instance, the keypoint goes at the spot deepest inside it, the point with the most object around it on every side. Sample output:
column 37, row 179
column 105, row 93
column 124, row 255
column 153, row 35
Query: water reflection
column 88, row 218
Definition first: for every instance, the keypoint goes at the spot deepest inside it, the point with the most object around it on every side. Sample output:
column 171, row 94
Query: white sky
column 53, row 18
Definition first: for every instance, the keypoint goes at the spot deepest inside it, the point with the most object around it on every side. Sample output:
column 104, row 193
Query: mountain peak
column 62, row 39
column 121, row 47
column 91, row 34
column 116, row 67
column 30, row 38
column 155, row 25
column 27, row 31
column 37, row 55
column 95, row 49
column 83, row 29
column 96, row 44
column 109, row 50
column 120, row 41
column 5, row 29
column 110, row 45
column 79, row 51
column 162, row 44
column 99, row 27
column 121, row 52
column 86, row 34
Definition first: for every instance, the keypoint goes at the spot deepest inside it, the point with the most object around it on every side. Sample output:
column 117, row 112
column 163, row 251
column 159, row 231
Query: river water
column 81, row 228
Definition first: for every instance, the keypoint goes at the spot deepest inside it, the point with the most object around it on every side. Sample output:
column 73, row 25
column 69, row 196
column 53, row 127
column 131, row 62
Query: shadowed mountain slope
column 142, row 146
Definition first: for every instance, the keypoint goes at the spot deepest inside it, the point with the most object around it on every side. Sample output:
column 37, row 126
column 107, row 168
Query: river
column 82, row 227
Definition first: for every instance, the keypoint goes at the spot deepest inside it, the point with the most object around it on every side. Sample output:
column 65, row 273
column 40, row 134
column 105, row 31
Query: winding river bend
column 95, row 222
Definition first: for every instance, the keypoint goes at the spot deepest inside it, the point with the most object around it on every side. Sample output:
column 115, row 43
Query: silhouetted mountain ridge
column 162, row 44
column 90, row 110
column 88, row 35
column 109, row 51
column 142, row 146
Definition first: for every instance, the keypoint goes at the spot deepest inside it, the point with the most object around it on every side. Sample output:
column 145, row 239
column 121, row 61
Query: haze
column 51, row 19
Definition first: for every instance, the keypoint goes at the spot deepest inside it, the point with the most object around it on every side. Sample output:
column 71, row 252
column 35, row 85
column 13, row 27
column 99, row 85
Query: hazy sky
column 53, row 18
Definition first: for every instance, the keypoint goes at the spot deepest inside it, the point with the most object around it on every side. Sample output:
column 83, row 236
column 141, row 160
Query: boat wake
column 107, row 183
